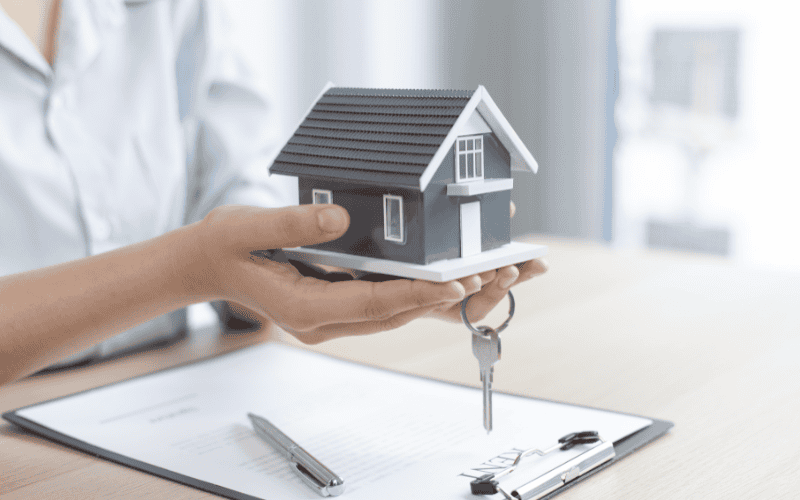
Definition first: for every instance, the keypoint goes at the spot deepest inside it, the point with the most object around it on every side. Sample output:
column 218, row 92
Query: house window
column 469, row 158
column 322, row 196
column 393, row 218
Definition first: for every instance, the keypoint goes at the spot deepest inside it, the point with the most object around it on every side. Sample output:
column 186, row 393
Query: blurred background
column 665, row 125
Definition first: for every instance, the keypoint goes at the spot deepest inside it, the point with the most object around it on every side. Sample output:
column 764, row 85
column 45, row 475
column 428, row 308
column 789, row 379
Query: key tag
column 486, row 331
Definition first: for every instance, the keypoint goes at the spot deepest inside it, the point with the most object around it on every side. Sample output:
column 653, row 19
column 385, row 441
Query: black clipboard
column 622, row 447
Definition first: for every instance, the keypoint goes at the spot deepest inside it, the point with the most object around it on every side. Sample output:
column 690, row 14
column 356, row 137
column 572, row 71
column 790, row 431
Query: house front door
column 470, row 228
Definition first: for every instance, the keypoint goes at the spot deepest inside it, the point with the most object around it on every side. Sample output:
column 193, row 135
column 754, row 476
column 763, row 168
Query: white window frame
column 386, row 224
column 325, row 192
column 465, row 153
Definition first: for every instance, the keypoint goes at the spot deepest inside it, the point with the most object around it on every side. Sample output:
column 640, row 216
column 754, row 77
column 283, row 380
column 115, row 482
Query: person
column 132, row 185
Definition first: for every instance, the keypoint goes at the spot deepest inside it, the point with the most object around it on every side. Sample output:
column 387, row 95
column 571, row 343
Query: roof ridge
column 381, row 92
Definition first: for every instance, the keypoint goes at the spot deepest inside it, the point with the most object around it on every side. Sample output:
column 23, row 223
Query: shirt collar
column 82, row 29
column 15, row 41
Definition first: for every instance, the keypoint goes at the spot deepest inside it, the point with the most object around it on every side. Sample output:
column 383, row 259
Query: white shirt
column 147, row 120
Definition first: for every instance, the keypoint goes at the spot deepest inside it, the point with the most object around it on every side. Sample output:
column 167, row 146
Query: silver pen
column 318, row 477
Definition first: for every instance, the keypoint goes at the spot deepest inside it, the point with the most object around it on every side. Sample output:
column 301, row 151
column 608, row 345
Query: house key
column 486, row 347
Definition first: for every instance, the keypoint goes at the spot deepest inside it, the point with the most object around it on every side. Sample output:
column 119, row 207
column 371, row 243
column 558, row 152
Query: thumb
column 253, row 228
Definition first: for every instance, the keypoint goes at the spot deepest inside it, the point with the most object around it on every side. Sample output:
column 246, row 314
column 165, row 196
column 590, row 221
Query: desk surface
column 695, row 340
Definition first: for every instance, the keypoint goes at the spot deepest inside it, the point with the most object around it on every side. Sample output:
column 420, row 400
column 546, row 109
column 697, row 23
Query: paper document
column 387, row 435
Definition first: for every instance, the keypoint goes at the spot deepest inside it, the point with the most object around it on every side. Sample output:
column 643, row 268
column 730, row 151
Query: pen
column 320, row 478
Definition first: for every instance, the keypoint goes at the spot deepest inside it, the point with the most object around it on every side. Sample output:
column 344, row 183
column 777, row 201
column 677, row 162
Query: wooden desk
column 707, row 345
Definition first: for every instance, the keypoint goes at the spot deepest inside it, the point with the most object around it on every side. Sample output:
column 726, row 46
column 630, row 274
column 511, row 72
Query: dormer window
column 469, row 158
column 322, row 196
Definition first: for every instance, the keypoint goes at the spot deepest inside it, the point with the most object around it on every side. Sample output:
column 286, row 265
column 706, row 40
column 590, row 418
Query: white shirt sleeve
column 227, row 121
column 147, row 102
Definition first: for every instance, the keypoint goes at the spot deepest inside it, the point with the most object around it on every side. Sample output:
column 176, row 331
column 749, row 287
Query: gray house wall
column 431, row 219
column 442, row 237
column 365, row 237
column 495, row 207
column 442, row 212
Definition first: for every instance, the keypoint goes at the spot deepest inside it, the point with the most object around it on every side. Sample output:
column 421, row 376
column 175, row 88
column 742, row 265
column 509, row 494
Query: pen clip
column 314, row 474
column 307, row 477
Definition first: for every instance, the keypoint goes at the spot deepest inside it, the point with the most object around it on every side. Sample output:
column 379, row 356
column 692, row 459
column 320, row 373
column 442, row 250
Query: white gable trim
column 449, row 140
column 521, row 158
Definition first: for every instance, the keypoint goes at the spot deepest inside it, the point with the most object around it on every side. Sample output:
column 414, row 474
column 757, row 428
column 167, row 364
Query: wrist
column 194, row 268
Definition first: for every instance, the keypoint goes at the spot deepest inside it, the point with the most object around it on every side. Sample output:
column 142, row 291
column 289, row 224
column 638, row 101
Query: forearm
column 53, row 312
column 49, row 313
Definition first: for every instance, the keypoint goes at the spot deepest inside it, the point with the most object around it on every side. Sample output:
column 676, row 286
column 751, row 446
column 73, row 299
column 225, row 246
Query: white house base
column 443, row 270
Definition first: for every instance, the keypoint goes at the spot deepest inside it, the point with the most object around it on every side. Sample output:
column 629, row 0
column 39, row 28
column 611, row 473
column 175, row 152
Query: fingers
column 488, row 276
column 330, row 332
column 315, row 310
column 531, row 269
column 488, row 290
column 482, row 303
column 251, row 228
column 472, row 284
column 513, row 209
column 309, row 304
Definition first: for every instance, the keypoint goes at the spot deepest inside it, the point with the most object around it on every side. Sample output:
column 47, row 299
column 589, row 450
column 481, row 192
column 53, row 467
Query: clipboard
column 43, row 419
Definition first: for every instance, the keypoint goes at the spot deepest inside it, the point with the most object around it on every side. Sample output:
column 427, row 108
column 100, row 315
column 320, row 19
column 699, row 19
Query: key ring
column 480, row 329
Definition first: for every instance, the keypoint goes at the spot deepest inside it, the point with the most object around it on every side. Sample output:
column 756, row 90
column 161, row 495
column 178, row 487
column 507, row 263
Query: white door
column 470, row 228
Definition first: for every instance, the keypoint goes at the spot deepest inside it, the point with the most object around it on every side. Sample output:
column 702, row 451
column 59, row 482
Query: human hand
column 490, row 288
column 310, row 309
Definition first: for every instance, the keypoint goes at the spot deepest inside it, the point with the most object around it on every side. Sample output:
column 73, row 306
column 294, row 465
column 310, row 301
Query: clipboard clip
column 554, row 479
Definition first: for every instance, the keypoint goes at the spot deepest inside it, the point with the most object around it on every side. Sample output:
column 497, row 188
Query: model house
column 424, row 174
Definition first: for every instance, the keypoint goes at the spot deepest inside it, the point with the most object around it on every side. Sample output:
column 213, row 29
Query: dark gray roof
column 377, row 136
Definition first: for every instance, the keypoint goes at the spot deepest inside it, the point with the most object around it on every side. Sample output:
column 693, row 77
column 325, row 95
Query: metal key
column 486, row 347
